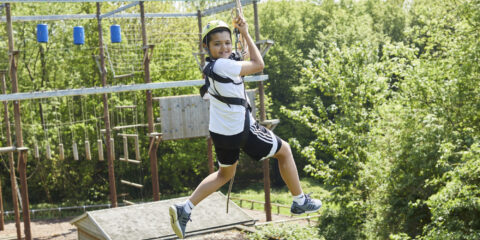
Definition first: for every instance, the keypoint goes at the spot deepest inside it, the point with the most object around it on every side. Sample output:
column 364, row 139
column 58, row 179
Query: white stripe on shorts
column 268, row 138
column 274, row 145
column 224, row 165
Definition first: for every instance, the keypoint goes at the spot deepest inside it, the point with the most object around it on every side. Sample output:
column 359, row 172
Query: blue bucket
column 42, row 33
column 115, row 34
column 78, row 35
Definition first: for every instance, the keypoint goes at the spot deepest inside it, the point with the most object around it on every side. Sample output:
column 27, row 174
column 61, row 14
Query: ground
column 63, row 230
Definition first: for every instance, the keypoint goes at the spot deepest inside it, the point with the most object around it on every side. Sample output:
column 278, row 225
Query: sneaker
column 309, row 206
column 179, row 219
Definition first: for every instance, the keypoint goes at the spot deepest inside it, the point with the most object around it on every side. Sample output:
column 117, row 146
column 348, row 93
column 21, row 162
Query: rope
column 230, row 186
column 70, row 117
column 83, row 117
column 58, row 128
column 237, row 36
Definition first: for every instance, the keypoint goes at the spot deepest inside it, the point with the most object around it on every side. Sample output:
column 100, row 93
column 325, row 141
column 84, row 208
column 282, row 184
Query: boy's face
column 220, row 45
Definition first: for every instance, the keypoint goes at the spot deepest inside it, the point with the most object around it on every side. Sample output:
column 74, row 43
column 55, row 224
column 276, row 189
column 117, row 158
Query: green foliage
column 380, row 101
column 456, row 206
column 284, row 231
column 391, row 108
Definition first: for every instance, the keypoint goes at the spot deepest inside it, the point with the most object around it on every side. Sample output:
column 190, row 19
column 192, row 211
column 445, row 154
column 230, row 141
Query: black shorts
column 260, row 143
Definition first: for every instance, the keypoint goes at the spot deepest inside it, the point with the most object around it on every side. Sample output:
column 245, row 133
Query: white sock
column 188, row 206
column 300, row 199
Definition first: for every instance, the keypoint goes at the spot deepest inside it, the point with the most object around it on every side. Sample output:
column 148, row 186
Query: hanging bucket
column 42, row 33
column 78, row 35
column 115, row 34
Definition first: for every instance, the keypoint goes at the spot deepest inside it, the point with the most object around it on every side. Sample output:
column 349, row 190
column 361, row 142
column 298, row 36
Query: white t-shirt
column 227, row 120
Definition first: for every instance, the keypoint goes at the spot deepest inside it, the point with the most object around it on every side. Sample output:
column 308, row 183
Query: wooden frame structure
column 155, row 137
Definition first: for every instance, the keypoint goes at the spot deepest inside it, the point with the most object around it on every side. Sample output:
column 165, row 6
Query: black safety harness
column 209, row 73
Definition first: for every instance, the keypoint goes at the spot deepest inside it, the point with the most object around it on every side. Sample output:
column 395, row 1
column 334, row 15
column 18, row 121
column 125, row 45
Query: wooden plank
column 84, row 235
column 130, row 160
column 150, row 221
column 126, row 106
column 130, row 126
column 88, row 229
column 7, row 149
column 127, row 135
column 131, row 184
column 114, row 89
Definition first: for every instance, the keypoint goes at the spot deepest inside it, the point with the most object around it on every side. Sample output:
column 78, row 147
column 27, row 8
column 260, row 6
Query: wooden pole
column 13, row 178
column 22, row 164
column 106, row 116
column 151, row 127
column 261, row 92
column 2, row 220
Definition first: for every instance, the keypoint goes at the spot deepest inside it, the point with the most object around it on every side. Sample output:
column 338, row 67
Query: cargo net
column 172, row 42
column 3, row 44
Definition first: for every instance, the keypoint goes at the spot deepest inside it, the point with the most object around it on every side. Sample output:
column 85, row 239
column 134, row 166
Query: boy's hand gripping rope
column 240, row 43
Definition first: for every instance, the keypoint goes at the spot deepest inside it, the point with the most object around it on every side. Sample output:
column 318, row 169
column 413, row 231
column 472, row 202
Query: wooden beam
column 126, row 106
column 22, row 157
column 106, row 115
column 149, row 103
column 127, row 135
column 270, row 124
column 131, row 184
column 130, row 160
column 7, row 149
column 114, row 89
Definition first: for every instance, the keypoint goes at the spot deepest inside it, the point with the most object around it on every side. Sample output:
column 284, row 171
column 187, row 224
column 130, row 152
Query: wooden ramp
column 151, row 220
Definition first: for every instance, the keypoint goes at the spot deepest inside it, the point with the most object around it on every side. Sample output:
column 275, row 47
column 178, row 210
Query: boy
column 232, row 126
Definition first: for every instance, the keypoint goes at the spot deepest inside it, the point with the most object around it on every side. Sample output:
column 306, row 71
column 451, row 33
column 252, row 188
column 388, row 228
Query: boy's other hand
column 241, row 25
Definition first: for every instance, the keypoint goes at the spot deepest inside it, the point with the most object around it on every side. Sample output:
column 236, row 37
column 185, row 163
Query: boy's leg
column 179, row 216
column 288, row 170
column 212, row 183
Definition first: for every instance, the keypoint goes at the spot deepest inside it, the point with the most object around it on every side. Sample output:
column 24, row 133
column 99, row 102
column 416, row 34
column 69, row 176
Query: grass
column 277, row 195
column 254, row 191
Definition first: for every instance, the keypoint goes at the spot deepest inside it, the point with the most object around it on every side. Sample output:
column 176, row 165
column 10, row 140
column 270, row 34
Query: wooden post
column 88, row 154
column 202, row 61
column 100, row 149
column 22, row 164
column 13, row 178
column 106, row 116
column 75, row 151
column 138, row 157
column 2, row 220
column 151, row 127
column 61, row 152
column 261, row 93
column 125, row 148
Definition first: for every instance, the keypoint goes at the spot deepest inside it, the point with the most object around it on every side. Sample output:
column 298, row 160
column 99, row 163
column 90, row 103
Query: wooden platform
column 151, row 220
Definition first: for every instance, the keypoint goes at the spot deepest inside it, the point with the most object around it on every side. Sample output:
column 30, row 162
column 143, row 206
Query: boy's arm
column 256, row 63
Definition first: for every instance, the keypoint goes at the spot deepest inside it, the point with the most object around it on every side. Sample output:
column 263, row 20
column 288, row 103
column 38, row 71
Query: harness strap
column 233, row 101
column 208, row 71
